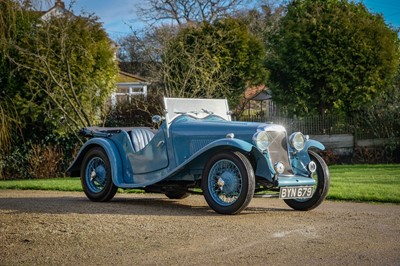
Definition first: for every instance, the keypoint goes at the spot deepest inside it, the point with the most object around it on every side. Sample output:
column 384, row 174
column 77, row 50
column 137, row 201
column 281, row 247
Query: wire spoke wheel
column 228, row 182
column 96, row 176
column 225, row 180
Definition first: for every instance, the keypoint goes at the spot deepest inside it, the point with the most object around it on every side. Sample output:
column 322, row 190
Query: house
column 128, row 86
column 56, row 11
column 259, row 102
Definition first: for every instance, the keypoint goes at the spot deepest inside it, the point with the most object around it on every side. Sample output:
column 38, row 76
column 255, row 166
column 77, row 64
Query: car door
column 151, row 158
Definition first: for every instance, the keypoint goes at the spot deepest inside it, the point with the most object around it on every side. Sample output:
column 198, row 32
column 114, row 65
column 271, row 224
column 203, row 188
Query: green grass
column 60, row 184
column 375, row 183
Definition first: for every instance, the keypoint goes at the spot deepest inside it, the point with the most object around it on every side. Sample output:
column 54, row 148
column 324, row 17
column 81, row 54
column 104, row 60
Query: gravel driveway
column 59, row 228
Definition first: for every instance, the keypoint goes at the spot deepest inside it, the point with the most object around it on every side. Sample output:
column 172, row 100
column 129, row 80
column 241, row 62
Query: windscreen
column 199, row 108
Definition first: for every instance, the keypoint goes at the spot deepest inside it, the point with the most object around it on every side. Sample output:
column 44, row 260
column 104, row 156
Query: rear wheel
column 228, row 182
column 321, row 176
column 96, row 176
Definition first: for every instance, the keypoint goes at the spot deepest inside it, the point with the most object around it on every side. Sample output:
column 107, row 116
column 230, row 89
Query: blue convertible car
column 198, row 146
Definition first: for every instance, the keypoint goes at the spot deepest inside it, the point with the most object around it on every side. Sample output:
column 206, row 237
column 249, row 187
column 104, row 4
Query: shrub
column 13, row 164
column 374, row 155
column 45, row 158
column 45, row 161
column 136, row 112
column 329, row 157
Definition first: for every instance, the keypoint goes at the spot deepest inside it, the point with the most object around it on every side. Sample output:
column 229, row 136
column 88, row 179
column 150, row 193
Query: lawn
column 375, row 183
column 378, row 183
column 61, row 184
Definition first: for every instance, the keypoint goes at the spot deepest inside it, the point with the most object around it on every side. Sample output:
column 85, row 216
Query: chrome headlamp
column 260, row 139
column 297, row 141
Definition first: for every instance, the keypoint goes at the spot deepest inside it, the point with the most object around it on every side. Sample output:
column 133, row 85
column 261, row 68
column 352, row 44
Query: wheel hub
column 227, row 182
column 100, row 174
column 220, row 183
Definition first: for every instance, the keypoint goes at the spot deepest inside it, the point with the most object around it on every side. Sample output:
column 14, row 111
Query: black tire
column 176, row 194
column 96, row 176
column 321, row 189
column 233, row 172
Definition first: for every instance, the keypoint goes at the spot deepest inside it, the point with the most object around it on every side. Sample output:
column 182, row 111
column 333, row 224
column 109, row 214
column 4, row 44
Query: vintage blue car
column 198, row 148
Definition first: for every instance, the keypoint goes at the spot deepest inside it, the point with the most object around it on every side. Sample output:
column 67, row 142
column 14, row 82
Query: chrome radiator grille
column 278, row 150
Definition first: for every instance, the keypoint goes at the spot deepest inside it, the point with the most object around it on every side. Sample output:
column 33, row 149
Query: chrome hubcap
column 96, row 174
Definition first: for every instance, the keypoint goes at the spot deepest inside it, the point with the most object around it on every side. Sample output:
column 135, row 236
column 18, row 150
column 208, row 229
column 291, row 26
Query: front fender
column 228, row 142
column 301, row 159
column 112, row 154
column 198, row 159
column 313, row 143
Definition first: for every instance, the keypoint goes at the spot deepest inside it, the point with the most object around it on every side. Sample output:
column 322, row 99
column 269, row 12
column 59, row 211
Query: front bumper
column 294, row 180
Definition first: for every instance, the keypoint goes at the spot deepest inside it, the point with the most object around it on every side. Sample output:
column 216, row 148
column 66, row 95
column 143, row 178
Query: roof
column 128, row 77
column 258, row 93
column 57, row 10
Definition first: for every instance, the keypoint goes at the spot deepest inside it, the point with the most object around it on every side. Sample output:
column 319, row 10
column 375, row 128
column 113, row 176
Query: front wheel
column 321, row 176
column 96, row 176
column 228, row 182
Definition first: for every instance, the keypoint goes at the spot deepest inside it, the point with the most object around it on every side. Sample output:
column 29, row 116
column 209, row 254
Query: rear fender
column 112, row 153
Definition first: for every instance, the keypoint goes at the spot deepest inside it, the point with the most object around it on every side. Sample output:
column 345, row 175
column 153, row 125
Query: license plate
column 296, row 192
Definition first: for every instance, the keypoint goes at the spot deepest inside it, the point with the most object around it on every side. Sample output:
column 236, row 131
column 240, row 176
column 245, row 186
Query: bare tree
column 263, row 19
column 189, row 12
column 192, row 72
column 141, row 51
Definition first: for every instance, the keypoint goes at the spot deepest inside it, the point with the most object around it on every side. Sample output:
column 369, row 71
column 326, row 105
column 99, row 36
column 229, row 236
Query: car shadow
column 118, row 206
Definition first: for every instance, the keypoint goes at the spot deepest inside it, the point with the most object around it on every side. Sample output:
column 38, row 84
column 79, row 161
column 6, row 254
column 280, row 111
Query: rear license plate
column 296, row 192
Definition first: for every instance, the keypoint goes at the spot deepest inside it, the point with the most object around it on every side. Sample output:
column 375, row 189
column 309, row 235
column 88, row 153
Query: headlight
column 260, row 139
column 297, row 141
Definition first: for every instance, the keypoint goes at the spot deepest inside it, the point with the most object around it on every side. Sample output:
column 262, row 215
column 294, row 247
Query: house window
column 125, row 92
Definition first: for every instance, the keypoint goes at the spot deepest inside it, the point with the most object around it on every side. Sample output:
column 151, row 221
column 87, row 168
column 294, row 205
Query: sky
column 390, row 9
column 119, row 17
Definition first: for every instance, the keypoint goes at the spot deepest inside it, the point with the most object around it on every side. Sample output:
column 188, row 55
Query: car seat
column 141, row 137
